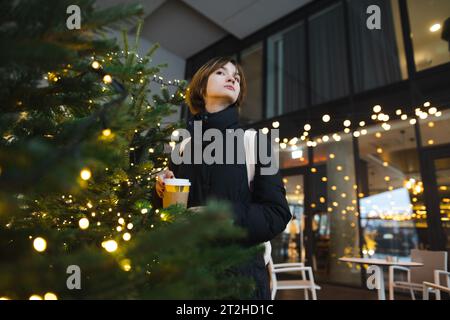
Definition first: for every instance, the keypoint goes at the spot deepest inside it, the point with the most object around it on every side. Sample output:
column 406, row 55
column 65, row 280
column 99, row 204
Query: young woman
column 215, row 93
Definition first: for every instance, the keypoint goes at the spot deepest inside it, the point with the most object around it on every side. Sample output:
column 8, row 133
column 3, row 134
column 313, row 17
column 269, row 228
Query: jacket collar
column 224, row 119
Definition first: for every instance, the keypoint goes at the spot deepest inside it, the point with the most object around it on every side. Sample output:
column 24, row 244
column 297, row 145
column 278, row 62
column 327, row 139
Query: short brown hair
column 197, row 87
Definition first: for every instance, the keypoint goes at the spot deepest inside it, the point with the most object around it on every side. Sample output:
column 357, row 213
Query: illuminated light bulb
column 398, row 112
column 307, row 127
column 144, row 211
column 379, row 150
column 313, row 170
column 404, row 117
column 346, row 178
column 83, row 223
column 50, row 296
column 265, row 130
column 176, row 133
column 427, row 104
column 126, row 236
column 438, row 114
column 387, row 178
column 356, row 134
column 363, row 132
column 305, row 133
column 380, row 117
column 435, row 27
column 126, row 264
column 151, row 150
column 385, row 164
column 432, row 110
column 347, row 130
column 121, row 221
column 283, row 145
column 278, row 139
column 423, row 115
column 336, row 137
column 334, row 188
column 412, row 121
column 347, row 123
column 275, row 124
column 95, row 65
column 110, row 245
column 332, row 156
column 339, row 168
column 322, row 200
column 40, row 244
column 119, row 228
column 430, row 142
column 85, row 174
column 362, row 123
column 35, row 297
column 285, row 140
column 326, row 118
column 107, row 79
column 377, row 108
column 130, row 226
column 324, row 179
column 325, row 138
column 431, row 124
column 386, row 126
column 373, row 117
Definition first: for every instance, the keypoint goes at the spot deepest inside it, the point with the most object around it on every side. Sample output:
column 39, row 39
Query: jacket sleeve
column 268, row 214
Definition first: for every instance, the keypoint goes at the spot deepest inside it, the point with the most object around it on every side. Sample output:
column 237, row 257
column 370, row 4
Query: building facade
column 364, row 127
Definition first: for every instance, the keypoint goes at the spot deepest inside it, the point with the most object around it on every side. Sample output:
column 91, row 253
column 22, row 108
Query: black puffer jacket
column 264, row 212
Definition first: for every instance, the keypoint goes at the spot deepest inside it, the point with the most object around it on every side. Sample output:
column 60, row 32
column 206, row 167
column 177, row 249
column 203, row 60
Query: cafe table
column 378, row 265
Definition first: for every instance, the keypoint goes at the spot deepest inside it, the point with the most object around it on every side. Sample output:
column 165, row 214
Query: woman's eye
column 219, row 72
column 238, row 80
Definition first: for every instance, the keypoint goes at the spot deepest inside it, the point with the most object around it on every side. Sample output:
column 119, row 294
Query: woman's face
column 223, row 85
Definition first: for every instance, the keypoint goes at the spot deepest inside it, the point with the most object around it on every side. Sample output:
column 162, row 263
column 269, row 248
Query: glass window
column 427, row 18
column 435, row 128
column 328, row 60
column 378, row 56
column 293, row 154
column 391, row 199
column 286, row 74
column 289, row 245
column 252, row 63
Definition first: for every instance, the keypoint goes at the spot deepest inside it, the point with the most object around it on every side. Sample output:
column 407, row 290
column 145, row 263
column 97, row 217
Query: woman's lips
column 229, row 87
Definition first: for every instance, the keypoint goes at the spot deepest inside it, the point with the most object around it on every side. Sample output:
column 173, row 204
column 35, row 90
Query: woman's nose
column 231, row 79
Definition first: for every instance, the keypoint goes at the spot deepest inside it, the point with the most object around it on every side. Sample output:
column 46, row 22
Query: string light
column 95, row 65
column 307, row 127
column 126, row 236
column 83, row 223
column 107, row 79
column 50, row 296
column 326, row 118
column 85, row 174
column 377, row 109
column 35, row 297
column 275, row 124
column 110, row 245
column 106, row 132
column 347, row 123
column 40, row 244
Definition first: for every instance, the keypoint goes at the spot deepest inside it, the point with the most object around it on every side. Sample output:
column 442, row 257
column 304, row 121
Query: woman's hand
column 160, row 185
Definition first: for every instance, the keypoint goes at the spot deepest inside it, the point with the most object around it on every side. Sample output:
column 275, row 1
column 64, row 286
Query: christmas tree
column 81, row 143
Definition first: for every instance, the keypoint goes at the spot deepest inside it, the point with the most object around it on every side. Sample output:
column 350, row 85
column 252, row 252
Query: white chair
column 434, row 265
column 436, row 286
column 306, row 283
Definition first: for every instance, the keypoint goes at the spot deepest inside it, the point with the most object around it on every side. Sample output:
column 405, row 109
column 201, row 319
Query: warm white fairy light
column 325, row 138
column 110, row 245
column 40, row 244
column 275, row 124
column 398, row 112
column 106, row 132
column 107, row 79
column 83, row 223
column 130, row 226
column 265, row 130
column 307, row 127
column 126, row 236
column 412, row 121
column 347, row 123
column 35, row 297
column 362, row 123
column 404, row 117
column 377, row 109
column 356, row 134
column 85, row 174
column 438, row 114
column 50, row 296
column 432, row 110
column 347, row 130
column 121, row 221
column 96, row 65
column 326, row 118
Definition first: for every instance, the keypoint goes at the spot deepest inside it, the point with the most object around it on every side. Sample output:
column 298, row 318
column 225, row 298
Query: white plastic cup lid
column 177, row 182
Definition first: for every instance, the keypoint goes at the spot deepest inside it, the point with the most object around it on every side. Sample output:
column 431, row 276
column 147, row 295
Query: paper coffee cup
column 176, row 192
